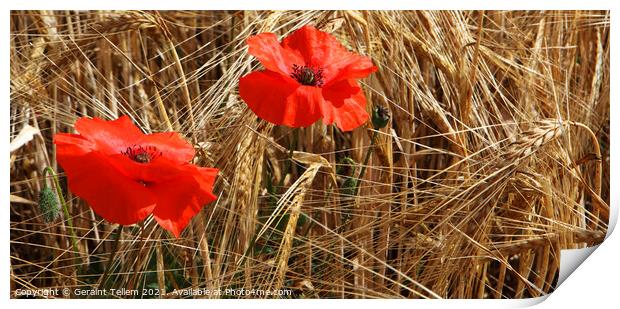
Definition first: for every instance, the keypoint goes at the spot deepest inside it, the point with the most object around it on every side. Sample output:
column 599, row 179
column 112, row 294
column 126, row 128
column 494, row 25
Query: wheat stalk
column 496, row 156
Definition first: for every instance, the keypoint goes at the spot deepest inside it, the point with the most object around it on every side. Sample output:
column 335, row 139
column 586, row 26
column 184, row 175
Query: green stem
column 248, row 250
column 287, row 168
column 65, row 210
column 288, row 164
column 108, row 267
column 310, row 225
column 366, row 159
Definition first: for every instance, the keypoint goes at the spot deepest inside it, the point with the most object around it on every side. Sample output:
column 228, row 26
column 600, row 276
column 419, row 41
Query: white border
column 593, row 284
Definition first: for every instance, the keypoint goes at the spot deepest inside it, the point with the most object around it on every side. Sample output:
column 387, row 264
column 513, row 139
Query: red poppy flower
column 125, row 175
column 308, row 76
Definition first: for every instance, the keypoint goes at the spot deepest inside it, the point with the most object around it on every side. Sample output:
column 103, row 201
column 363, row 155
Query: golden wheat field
column 494, row 158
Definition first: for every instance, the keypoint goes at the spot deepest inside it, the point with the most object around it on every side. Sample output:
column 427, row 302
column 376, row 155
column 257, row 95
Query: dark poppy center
column 142, row 154
column 307, row 75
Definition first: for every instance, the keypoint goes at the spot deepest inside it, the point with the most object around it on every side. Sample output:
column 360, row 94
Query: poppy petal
column 350, row 66
column 76, row 144
column 344, row 104
column 279, row 100
column 158, row 170
column 181, row 197
column 125, row 187
column 109, row 136
column 112, row 195
column 322, row 50
column 267, row 49
column 171, row 145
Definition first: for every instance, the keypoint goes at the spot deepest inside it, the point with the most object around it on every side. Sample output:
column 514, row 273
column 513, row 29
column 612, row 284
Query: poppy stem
column 108, row 267
column 366, row 159
column 289, row 164
column 65, row 209
column 287, row 168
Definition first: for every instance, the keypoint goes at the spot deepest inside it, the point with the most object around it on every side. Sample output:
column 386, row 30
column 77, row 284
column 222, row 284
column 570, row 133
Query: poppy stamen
column 307, row 75
column 142, row 154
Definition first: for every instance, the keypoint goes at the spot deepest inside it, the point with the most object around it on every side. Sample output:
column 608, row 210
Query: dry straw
column 496, row 156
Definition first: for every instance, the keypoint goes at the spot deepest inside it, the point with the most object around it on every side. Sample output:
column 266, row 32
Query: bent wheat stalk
column 296, row 194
